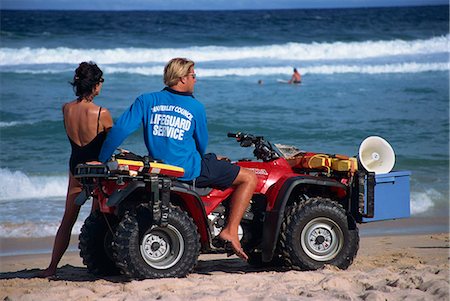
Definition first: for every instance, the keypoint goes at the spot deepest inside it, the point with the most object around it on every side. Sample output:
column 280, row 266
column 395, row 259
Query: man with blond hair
column 175, row 131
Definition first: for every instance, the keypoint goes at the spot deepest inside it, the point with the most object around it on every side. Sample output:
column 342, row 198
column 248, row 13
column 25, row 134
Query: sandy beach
column 388, row 267
column 368, row 68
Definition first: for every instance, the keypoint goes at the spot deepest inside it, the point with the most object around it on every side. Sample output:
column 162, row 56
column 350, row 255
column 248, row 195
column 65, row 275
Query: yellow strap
column 130, row 162
column 166, row 166
column 152, row 165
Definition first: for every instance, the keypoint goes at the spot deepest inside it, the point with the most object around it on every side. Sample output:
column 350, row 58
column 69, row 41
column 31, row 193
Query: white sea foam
column 411, row 67
column 288, row 51
column 24, row 230
column 378, row 69
column 424, row 201
column 6, row 124
column 322, row 69
column 18, row 185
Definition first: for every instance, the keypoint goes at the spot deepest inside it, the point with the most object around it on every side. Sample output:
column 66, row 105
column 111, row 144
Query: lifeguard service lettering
column 167, row 125
column 176, row 109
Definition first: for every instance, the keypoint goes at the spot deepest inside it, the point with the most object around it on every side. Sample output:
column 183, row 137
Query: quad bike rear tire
column 95, row 244
column 145, row 250
column 317, row 232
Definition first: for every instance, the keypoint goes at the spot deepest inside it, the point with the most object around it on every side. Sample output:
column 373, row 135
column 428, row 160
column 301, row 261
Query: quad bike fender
column 121, row 194
column 188, row 200
column 274, row 217
column 193, row 204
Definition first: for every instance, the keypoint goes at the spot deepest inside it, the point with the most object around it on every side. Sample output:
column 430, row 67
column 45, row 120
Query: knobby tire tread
column 91, row 247
column 295, row 213
column 128, row 256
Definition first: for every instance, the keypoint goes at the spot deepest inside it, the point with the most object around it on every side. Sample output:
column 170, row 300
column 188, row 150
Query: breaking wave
column 29, row 229
column 18, row 185
column 7, row 124
column 288, row 51
column 411, row 67
column 323, row 69
column 422, row 202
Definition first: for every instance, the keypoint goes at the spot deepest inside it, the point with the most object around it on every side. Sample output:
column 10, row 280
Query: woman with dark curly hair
column 86, row 126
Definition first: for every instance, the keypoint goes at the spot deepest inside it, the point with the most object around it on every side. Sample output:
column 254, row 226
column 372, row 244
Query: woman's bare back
column 82, row 123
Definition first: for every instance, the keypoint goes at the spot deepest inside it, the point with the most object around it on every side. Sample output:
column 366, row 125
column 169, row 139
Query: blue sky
column 203, row 4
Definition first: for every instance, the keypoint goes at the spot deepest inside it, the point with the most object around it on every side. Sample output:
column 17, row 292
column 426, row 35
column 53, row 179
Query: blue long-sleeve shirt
column 175, row 129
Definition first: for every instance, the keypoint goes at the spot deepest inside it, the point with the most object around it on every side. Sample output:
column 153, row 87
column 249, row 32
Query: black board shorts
column 216, row 173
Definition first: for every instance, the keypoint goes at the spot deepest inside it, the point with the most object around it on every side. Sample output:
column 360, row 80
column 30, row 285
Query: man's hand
column 123, row 151
column 223, row 158
column 94, row 162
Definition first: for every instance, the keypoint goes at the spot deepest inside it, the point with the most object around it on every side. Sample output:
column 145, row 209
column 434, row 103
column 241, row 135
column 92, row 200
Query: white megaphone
column 376, row 155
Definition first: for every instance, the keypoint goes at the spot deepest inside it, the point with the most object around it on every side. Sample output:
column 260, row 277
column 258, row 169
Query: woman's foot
column 47, row 273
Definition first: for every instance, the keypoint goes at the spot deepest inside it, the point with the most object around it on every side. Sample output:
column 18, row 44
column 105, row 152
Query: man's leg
column 245, row 183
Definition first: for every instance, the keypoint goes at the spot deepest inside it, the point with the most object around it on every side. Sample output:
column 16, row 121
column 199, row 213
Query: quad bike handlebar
column 264, row 150
column 245, row 140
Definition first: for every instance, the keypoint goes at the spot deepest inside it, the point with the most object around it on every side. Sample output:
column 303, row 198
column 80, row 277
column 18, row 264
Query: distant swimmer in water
column 296, row 77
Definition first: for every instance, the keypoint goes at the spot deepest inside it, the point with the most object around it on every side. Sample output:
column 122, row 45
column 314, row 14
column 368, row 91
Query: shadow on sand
column 80, row 274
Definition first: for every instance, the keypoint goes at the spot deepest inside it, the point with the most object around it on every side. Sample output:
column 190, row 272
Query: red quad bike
column 303, row 214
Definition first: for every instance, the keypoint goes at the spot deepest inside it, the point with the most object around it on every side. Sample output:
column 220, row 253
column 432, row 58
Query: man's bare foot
column 235, row 246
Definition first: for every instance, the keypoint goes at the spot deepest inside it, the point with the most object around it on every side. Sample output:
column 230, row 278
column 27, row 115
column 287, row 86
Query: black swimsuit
column 88, row 152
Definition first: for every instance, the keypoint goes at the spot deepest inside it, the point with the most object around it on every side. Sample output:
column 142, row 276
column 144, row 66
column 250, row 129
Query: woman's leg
column 62, row 238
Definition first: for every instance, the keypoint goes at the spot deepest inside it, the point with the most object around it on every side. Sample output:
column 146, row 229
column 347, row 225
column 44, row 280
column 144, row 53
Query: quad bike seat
column 190, row 186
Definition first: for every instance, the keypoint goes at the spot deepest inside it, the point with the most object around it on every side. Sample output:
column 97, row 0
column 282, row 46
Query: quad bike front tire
column 95, row 244
column 145, row 250
column 317, row 232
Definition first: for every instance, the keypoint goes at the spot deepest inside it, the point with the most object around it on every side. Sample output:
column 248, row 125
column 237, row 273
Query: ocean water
column 365, row 72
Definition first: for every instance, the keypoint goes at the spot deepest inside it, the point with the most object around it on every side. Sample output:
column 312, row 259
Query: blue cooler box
column 391, row 196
